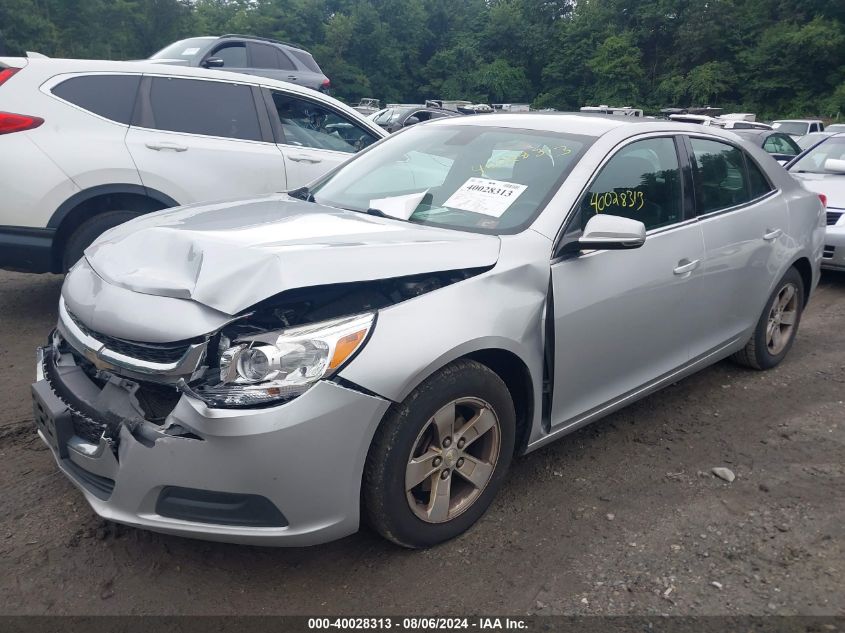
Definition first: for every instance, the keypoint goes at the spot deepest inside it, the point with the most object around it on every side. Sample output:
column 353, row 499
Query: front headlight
column 262, row 368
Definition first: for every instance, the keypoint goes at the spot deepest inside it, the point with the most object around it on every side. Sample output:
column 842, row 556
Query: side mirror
column 213, row 62
column 411, row 120
column 611, row 232
column 835, row 165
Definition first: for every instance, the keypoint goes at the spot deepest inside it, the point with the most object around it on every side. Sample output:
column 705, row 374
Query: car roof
column 581, row 123
column 257, row 38
column 50, row 67
column 797, row 121
column 54, row 66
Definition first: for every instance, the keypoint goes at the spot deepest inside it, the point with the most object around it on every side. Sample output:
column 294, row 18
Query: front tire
column 439, row 458
column 778, row 325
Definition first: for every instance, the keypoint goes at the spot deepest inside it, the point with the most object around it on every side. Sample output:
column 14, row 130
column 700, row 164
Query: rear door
column 199, row 140
column 744, row 222
column 312, row 136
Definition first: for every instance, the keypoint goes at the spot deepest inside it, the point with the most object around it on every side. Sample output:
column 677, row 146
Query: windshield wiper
column 377, row 212
column 303, row 193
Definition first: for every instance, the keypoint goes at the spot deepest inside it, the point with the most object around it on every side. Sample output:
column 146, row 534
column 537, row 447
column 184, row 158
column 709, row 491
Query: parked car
column 835, row 128
column 396, row 117
column 368, row 106
column 725, row 124
column 389, row 337
column 781, row 146
column 822, row 169
column 734, row 124
column 798, row 127
column 247, row 54
column 808, row 140
column 86, row 145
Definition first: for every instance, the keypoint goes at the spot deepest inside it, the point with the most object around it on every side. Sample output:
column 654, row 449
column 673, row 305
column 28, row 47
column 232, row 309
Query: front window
column 790, row 127
column 188, row 50
column 232, row 55
column 813, row 162
column 476, row 178
column 308, row 124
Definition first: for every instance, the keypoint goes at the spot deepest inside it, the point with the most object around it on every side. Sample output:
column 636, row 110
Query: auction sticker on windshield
column 485, row 196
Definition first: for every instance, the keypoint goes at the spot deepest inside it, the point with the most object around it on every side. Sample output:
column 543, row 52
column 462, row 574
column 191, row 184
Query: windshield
column 476, row 178
column 791, row 127
column 813, row 162
column 184, row 49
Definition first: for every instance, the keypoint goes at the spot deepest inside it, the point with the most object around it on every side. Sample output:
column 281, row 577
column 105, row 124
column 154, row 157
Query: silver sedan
column 382, row 343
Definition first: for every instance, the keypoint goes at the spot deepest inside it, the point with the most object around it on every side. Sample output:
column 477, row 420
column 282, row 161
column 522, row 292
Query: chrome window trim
column 739, row 207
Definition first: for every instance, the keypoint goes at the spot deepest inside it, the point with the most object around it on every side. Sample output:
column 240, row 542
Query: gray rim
column 452, row 460
column 782, row 318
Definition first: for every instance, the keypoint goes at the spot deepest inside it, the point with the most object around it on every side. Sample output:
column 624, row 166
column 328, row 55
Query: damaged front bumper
column 285, row 475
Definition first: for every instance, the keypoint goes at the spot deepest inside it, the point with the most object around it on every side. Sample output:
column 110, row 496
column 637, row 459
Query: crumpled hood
column 231, row 255
column 831, row 185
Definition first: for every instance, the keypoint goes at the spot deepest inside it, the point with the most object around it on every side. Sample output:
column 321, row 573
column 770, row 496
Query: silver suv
column 247, row 54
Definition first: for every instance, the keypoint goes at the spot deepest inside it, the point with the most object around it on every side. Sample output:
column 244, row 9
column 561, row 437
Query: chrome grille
column 150, row 352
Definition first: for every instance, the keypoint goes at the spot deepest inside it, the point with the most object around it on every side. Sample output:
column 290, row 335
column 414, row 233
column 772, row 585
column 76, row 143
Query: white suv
column 87, row 145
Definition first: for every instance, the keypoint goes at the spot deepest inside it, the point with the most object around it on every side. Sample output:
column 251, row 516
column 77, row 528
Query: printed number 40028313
column 627, row 198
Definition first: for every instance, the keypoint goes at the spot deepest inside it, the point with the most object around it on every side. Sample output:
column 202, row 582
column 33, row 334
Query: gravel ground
column 622, row 517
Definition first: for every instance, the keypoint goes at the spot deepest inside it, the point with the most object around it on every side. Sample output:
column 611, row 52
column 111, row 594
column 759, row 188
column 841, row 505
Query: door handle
column 302, row 158
column 169, row 146
column 292, row 77
column 683, row 269
column 772, row 234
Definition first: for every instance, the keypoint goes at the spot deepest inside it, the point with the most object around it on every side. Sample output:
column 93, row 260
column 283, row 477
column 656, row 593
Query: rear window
column 720, row 176
column 791, row 127
column 306, row 59
column 267, row 56
column 109, row 96
column 212, row 108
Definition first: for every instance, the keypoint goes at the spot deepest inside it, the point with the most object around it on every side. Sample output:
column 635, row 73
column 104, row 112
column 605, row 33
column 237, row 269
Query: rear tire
column 777, row 326
column 89, row 231
column 439, row 458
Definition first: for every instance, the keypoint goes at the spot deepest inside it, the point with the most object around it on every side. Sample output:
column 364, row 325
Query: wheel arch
column 516, row 376
column 805, row 269
column 505, row 363
column 90, row 202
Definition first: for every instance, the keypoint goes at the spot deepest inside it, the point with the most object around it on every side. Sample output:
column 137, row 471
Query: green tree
column 617, row 68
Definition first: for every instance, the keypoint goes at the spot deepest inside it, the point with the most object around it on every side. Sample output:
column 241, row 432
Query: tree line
column 777, row 58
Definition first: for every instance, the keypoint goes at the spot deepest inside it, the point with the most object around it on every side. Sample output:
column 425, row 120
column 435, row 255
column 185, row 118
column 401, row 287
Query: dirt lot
column 621, row 517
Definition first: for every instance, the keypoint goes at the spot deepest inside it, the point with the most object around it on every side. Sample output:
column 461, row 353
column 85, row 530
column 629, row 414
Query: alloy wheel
column 452, row 460
column 782, row 318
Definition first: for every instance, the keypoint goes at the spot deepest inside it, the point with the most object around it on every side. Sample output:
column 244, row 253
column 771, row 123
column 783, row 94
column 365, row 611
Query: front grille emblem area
column 162, row 362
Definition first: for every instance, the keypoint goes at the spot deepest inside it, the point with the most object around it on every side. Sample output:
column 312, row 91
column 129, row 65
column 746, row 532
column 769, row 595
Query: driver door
column 312, row 138
column 622, row 317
